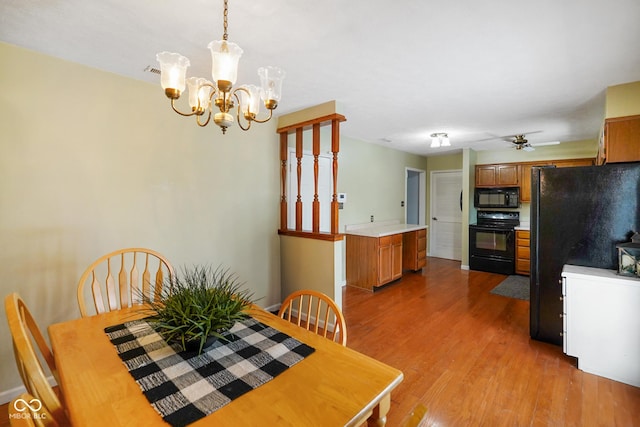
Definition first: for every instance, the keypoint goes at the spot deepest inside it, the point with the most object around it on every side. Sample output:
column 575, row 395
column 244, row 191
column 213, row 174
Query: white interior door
column 445, row 229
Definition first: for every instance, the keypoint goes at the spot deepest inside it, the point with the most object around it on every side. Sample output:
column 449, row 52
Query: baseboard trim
column 273, row 308
column 7, row 396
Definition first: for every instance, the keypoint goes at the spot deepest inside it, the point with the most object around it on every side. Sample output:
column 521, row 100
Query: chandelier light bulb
column 224, row 63
column 173, row 70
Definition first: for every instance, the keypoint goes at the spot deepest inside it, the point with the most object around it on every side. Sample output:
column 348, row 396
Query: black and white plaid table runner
column 183, row 386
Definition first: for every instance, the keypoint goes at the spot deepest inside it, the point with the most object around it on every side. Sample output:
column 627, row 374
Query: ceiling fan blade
column 540, row 144
column 528, row 148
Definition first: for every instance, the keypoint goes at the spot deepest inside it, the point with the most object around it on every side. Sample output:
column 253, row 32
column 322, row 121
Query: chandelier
column 205, row 95
column 440, row 140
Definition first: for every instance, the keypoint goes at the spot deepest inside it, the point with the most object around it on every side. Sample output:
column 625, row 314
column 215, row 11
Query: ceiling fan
column 521, row 143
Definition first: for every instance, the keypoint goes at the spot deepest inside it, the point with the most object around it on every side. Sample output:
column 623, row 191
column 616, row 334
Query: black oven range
column 492, row 243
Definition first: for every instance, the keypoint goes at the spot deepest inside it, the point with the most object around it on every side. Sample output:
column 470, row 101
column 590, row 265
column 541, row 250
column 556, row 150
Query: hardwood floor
column 467, row 356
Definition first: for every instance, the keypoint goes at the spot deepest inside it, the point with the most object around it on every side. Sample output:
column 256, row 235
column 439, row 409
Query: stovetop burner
column 498, row 219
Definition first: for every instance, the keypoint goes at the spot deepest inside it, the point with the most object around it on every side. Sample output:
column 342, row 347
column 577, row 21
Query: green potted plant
column 199, row 305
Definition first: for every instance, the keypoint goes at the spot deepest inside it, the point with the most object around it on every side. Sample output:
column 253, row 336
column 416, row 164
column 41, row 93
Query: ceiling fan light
column 440, row 139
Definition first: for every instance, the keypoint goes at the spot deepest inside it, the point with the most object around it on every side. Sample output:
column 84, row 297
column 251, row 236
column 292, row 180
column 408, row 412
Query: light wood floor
column 466, row 354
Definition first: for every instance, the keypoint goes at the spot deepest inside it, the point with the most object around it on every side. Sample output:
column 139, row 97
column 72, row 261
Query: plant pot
column 194, row 346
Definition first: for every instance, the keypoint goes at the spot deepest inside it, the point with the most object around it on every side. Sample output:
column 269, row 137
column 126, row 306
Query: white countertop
column 598, row 274
column 523, row 226
column 381, row 230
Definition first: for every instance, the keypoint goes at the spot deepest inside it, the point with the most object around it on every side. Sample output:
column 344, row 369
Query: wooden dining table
column 333, row 386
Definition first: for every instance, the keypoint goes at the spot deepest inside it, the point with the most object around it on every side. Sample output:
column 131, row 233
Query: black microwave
column 506, row 197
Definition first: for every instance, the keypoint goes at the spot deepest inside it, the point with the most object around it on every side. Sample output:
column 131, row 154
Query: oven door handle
column 485, row 228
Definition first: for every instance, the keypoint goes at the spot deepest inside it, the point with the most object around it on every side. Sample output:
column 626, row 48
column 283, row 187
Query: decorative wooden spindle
column 335, row 148
column 283, row 177
column 299, row 199
column 316, row 201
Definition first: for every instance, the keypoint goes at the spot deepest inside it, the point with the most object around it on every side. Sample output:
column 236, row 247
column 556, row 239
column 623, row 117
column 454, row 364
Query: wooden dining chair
column 133, row 268
column 24, row 333
column 27, row 411
column 315, row 312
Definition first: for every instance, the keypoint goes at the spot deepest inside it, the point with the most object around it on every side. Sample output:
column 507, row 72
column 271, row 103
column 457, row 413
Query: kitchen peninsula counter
column 384, row 229
column 378, row 254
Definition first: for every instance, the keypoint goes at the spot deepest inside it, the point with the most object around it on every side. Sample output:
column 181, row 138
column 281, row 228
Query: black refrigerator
column 578, row 215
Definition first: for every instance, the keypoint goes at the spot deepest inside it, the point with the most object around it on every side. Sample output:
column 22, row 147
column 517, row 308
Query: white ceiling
column 400, row 70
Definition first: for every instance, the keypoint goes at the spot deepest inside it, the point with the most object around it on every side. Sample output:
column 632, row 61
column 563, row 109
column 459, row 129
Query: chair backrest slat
column 159, row 283
column 123, row 284
column 299, row 317
column 134, row 284
column 146, row 277
column 111, row 287
column 98, row 303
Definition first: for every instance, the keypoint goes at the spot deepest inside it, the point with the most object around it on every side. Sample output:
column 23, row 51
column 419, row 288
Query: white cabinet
column 602, row 322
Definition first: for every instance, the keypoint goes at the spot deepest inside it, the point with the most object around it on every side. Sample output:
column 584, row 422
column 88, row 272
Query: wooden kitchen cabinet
column 569, row 163
column 389, row 258
column 525, row 173
column 523, row 249
column 525, row 179
column 621, row 140
column 375, row 258
column 414, row 250
column 503, row 175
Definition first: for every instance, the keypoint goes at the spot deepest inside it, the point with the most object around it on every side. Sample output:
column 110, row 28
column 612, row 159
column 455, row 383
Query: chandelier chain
column 226, row 13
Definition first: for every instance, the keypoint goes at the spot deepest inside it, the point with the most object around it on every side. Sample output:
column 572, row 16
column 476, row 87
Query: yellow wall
column 311, row 264
column 91, row 162
column 623, row 100
column 373, row 177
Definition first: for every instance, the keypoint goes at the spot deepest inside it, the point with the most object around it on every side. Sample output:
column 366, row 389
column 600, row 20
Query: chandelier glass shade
column 440, row 140
column 219, row 98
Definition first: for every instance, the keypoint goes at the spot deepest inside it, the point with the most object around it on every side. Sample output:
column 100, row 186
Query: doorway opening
column 415, row 196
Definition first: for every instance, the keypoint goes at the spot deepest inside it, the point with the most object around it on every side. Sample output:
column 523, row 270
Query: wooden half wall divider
column 298, row 128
